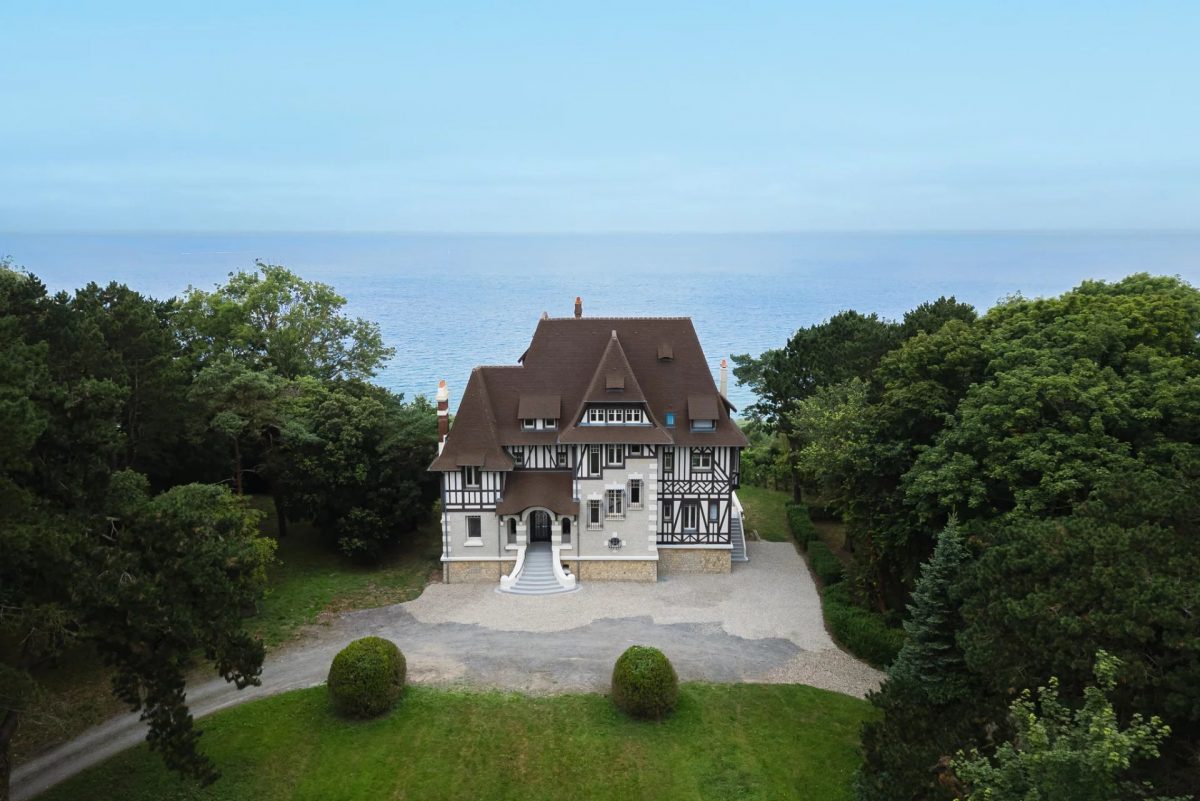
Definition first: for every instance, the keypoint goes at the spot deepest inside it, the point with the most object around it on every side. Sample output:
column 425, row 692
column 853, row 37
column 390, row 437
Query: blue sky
column 562, row 117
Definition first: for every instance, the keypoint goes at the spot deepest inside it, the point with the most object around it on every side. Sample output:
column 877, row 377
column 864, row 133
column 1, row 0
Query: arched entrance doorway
column 539, row 526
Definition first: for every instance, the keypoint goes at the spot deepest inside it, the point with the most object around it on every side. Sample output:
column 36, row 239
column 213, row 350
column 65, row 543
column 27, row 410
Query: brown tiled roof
column 572, row 357
column 550, row 489
column 543, row 406
column 474, row 440
column 703, row 407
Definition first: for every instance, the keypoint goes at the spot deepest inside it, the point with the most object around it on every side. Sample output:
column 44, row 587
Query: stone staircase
column 739, row 539
column 537, row 574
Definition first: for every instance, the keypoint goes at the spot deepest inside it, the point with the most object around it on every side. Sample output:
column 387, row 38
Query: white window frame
column 668, row 459
column 474, row 527
column 518, row 455
column 614, row 504
column 550, row 423
column 563, row 456
column 704, row 425
column 529, row 423
column 691, row 516
column 595, row 416
column 614, row 455
column 615, row 415
column 595, row 519
column 702, row 460
column 638, row 498
column 470, row 471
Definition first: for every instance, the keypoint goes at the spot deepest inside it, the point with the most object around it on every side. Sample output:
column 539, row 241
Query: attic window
column 665, row 352
column 614, row 382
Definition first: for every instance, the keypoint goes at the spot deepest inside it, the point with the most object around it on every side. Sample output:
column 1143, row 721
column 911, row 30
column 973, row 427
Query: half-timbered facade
column 606, row 453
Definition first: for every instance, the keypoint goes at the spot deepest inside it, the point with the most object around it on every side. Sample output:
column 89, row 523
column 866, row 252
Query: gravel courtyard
column 762, row 623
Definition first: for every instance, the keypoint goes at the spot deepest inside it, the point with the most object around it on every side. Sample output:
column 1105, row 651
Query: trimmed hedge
column 366, row 677
column 827, row 566
column 644, row 683
column 860, row 631
column 800, row 522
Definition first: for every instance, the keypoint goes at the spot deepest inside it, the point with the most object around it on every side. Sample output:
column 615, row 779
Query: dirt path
column 761, row 624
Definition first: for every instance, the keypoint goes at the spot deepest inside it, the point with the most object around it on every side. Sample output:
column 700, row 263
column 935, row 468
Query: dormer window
column 529, row 424
column 670, row 419
column 615, row 415
column 704, row 425
column 550, row 423
column 595, row 415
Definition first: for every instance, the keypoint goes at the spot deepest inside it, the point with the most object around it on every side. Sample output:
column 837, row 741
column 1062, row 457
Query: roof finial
column 578, row 307
column 614, row 334
column 545, row 315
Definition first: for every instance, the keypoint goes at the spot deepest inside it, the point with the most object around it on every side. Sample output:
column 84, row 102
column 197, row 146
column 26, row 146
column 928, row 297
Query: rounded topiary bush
column 644, row 683
column 366, row 677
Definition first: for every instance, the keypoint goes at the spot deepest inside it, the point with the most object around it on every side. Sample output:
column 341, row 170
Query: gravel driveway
column 761, row 624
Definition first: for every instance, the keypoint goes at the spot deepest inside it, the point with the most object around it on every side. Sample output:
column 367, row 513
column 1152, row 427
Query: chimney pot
column 443, row 413
column 724, row 381
column 578, row 307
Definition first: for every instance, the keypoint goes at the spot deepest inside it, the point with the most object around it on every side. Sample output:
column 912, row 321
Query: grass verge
column 765, row 512
column 723, row 742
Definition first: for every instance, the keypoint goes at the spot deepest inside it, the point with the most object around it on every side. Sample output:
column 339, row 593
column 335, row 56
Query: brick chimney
column 578, row 307
column 724, row 382
column 443, row 413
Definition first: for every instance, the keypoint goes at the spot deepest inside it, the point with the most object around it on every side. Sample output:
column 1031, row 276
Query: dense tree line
column 130, row 429
column 1055, row 444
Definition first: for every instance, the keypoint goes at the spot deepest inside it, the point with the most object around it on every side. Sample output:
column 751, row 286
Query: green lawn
column 308, row 579
column 723, row 742
column 765, row 512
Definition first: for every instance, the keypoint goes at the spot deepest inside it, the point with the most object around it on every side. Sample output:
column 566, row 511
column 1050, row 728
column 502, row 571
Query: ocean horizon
column 449, row 302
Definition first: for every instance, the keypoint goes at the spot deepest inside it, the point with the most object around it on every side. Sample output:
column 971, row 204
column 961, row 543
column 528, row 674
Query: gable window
column 670, row 419
column 614, row 455
column 635, row 493
column 518, row 455
column 615, row 415
column 691, row 517
column 593, row 519
column 529, row 424
column 701, row 459
column 474, row 527
column 470, row 476
column 593, row 460
column 550, row 423
column 615, row 506
column 595, row 415
column 668, row 460
column 714, row 512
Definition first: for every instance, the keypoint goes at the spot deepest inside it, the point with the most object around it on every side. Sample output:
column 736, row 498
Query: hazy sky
column 728, row 116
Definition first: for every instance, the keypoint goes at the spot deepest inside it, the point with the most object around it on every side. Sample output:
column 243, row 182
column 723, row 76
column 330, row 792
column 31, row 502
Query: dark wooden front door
column 539, row 527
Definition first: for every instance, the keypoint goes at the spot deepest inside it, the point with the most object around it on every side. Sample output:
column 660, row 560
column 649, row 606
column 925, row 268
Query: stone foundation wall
column 694, row 560
column 615, row 570
column 476, row 572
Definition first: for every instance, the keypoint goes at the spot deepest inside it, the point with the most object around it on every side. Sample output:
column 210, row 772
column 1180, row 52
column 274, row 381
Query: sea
column 449, row 302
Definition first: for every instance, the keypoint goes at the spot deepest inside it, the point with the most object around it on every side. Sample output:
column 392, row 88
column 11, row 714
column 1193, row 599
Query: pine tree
column 931, row 664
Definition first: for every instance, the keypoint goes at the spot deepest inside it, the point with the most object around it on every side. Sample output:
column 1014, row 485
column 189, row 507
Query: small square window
column 595, row 415
column 528, row 424
column 615, row 415
column 635, row 450
column 670, row 419
column 550, row 423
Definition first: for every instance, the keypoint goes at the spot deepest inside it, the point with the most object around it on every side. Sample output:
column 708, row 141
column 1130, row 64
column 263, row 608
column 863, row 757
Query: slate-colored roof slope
column 574, row 358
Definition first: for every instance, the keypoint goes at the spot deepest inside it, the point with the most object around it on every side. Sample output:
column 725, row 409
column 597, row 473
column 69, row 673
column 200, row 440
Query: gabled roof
column 475, row 442
column 575, row 359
